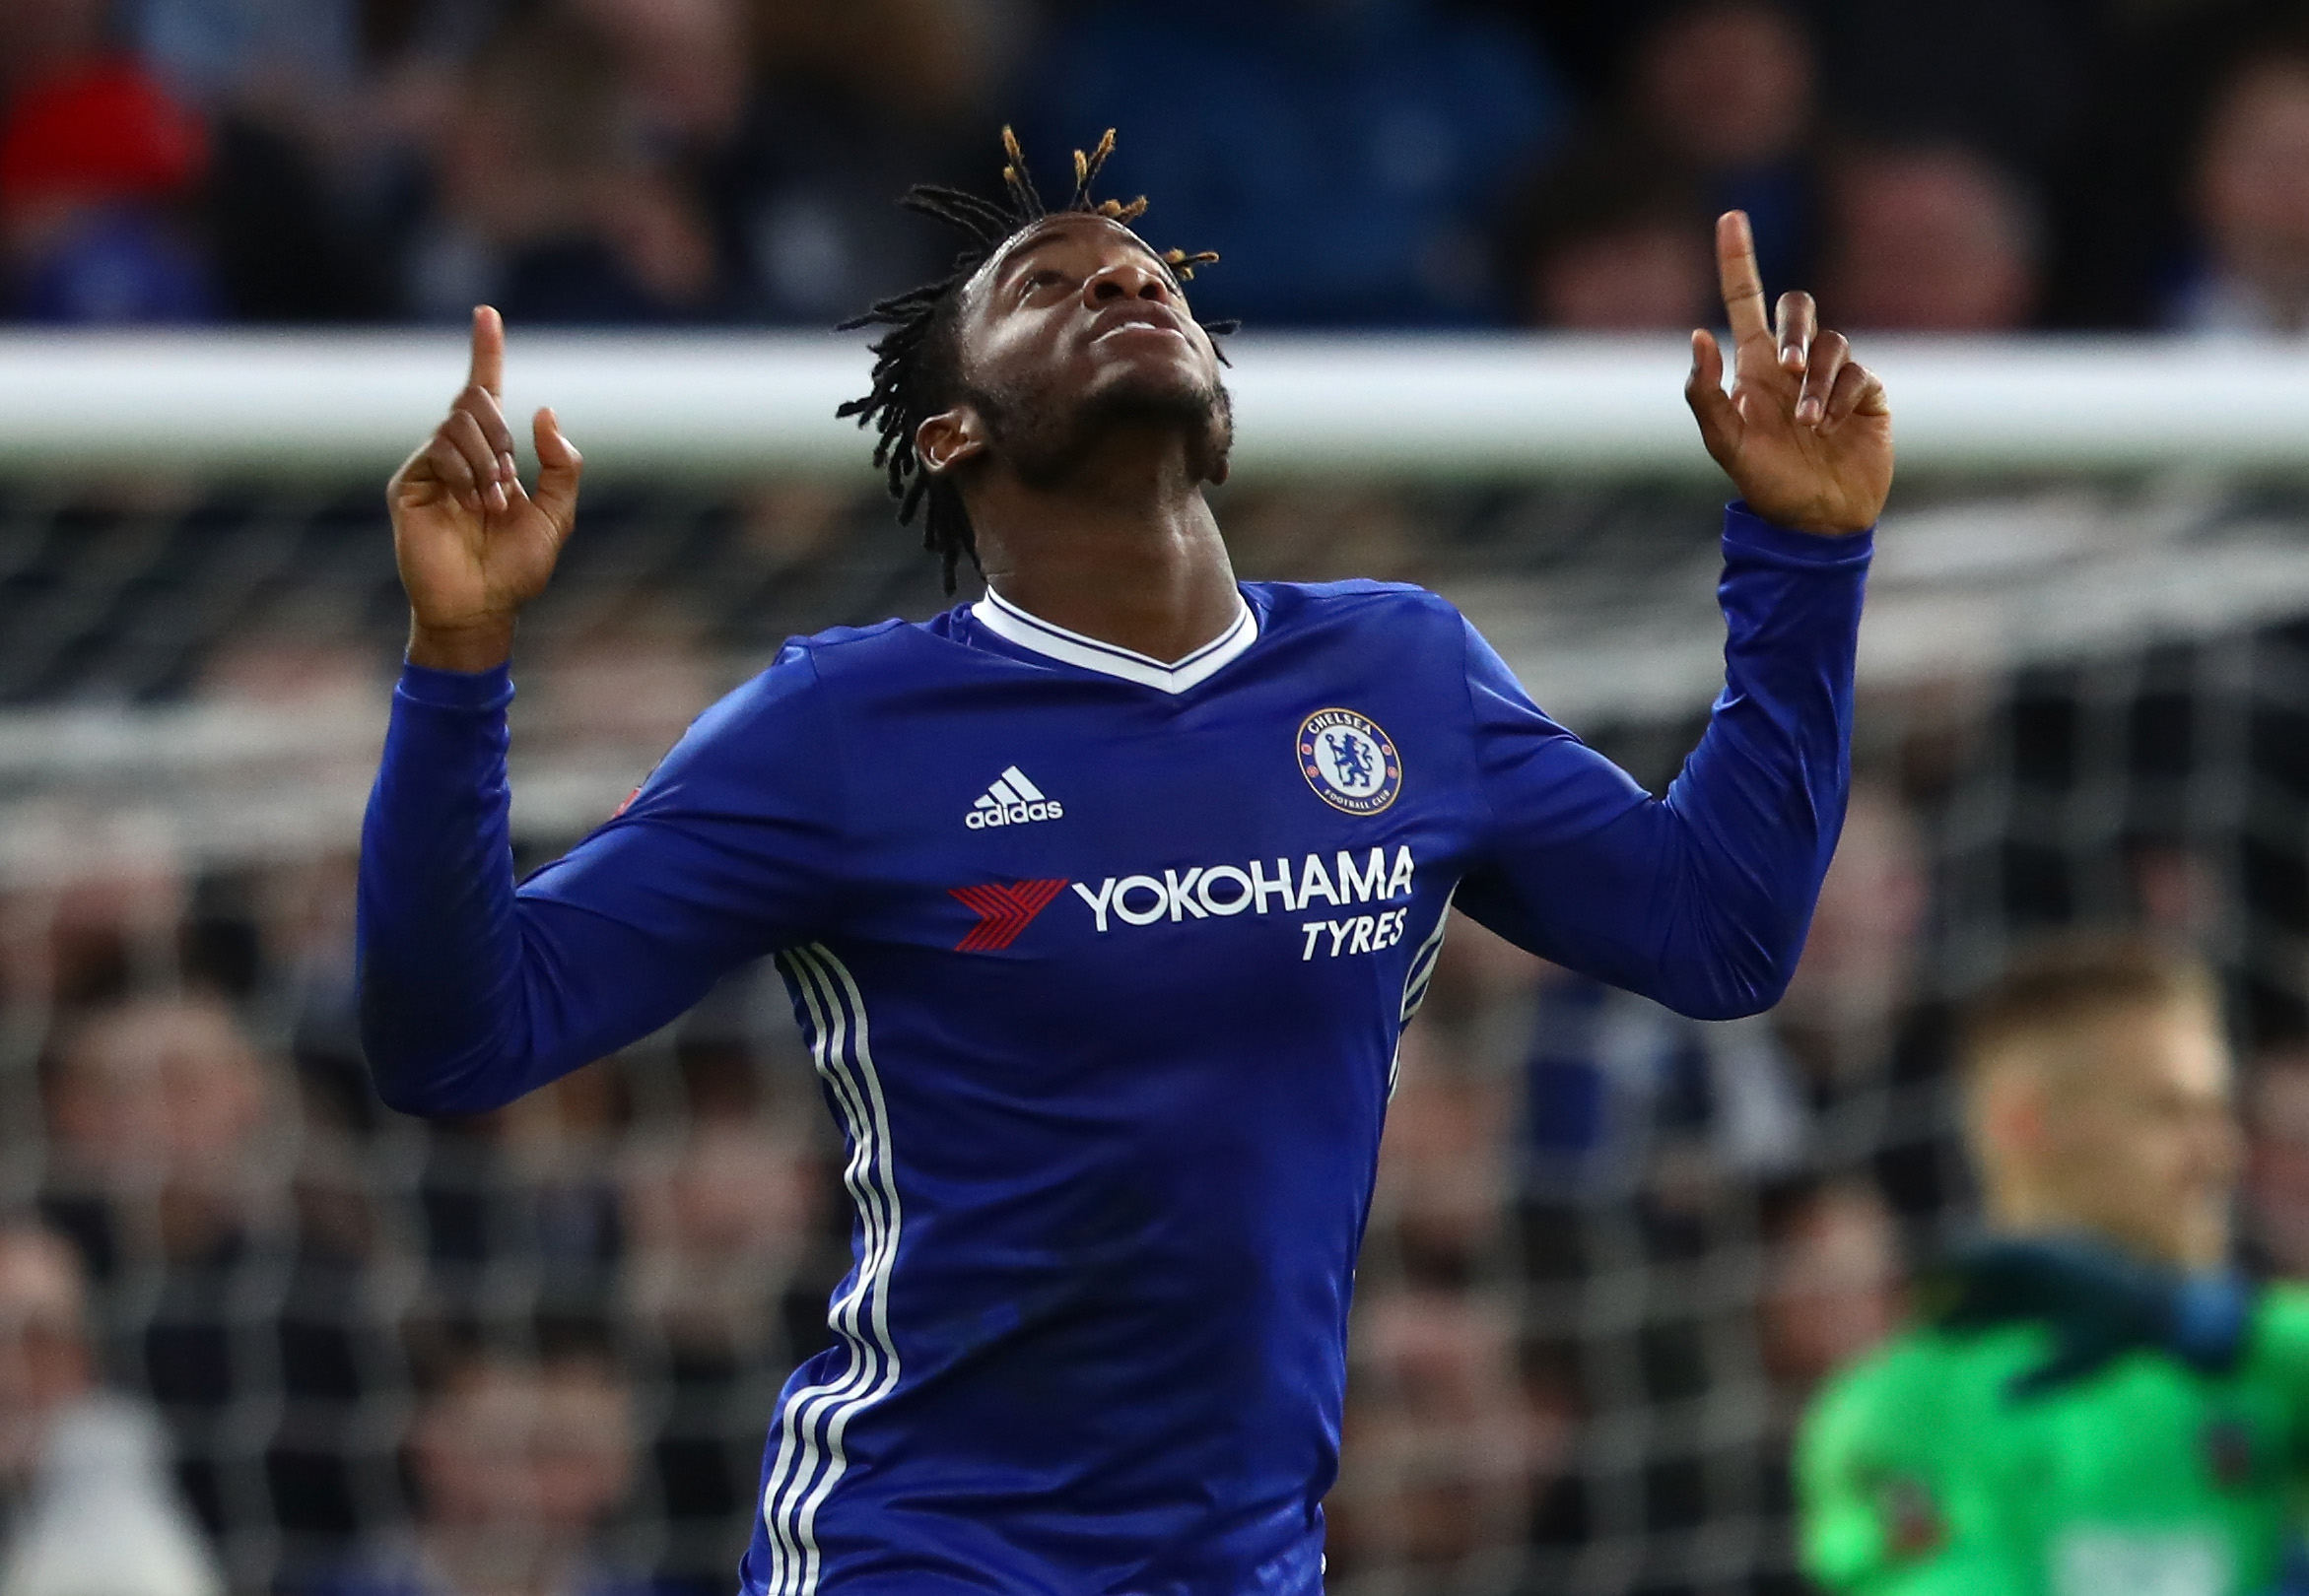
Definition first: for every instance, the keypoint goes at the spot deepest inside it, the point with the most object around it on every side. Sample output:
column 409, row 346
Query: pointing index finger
column 488, row 350
column 1743, row 284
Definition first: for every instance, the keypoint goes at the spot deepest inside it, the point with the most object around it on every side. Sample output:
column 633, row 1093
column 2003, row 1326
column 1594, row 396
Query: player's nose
column 1130, row 276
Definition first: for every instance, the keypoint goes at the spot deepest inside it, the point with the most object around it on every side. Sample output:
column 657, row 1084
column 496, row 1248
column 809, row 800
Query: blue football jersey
column 1104, row 963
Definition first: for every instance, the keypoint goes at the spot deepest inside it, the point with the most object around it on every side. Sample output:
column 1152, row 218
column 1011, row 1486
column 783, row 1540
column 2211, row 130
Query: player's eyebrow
column 1024, row 249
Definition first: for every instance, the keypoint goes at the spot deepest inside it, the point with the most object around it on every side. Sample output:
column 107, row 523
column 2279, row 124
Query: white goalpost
column 273, row 404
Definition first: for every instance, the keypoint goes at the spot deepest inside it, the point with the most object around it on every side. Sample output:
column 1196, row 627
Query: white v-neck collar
column 1008, row 622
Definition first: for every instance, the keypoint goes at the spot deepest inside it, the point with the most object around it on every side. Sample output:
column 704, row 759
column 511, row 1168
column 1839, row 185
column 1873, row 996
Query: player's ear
column 2009, row 1114
column 1219, row 453
column 950, row 438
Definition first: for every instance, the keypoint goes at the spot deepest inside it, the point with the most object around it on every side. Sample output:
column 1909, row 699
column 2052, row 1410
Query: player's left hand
column 1805, row 433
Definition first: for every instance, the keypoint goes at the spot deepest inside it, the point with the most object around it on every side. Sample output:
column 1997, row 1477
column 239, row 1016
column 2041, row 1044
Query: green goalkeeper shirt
column 1920, row 1475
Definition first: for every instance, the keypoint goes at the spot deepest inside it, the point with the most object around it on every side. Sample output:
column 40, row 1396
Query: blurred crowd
column 1959, row 166
column 254, row 1337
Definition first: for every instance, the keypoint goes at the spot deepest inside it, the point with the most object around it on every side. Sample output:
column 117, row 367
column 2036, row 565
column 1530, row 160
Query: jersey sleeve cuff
column 478, row 691
column 1747, row 533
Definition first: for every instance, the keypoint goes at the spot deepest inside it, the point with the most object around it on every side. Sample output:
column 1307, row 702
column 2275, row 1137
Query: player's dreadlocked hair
column 917, row 368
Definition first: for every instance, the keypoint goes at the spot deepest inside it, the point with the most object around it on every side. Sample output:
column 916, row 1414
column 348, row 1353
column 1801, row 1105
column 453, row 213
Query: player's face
column 1076, row 321
column 2143, row 1138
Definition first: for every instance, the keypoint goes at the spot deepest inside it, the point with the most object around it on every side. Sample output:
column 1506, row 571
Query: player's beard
column 1046, row 441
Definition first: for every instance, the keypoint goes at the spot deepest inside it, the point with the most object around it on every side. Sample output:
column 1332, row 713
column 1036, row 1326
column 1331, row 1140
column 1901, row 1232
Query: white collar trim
column 1008, row 622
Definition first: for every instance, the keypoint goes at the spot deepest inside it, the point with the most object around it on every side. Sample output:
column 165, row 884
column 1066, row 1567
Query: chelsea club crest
column 1351, row 763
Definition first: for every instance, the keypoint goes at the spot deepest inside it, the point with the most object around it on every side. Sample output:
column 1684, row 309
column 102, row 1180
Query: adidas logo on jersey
column 1011, row 801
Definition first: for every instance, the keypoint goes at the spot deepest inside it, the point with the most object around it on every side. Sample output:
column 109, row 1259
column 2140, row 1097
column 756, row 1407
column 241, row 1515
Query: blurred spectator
column 1928, row 238
column 528, row 1190
column 1870, row 1053
column 98, row 163
column 625, row 686
column 1480, row 1002
column 684, row 75
column 1441, row 1442
column 723, row 1214
column 46, row 37
column 1861, row 963
column 1629, row 1102
column 738, row 1235
column 86, row 1505
column 1344, row 155
column 685, row 64
column 2252, row 202
column 548, row 205
column 518, row 1459
column 294, row 672
column 1313, row 532
column 1444, row 1165
column 2098, row 1057
column 2276, row 1162
column 302, row 52
column 2123, row 194
column 162, row 1104
column 1725, row 90
column 1833, row 1283
column 94, row 905
column 2009, row 77
column 174, row 1173
column 321, row 114
column 1612, row 240
column 852, row 103
column 1833, row 1289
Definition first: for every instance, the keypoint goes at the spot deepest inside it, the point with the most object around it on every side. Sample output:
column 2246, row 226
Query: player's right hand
column 474, row 547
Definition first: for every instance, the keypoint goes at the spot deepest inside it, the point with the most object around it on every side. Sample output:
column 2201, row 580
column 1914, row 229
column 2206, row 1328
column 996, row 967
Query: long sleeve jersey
column 1921, row 1472
column 1104, row 963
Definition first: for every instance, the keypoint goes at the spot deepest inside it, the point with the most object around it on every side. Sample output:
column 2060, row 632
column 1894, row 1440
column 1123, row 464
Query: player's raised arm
column 1805, row 433
column 473, row 991
column 1702, row 899
column 473, row 545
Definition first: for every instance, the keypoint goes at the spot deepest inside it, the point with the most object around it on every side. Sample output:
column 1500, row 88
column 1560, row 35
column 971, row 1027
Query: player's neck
column 2020, row 1210
column 1125, row 551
